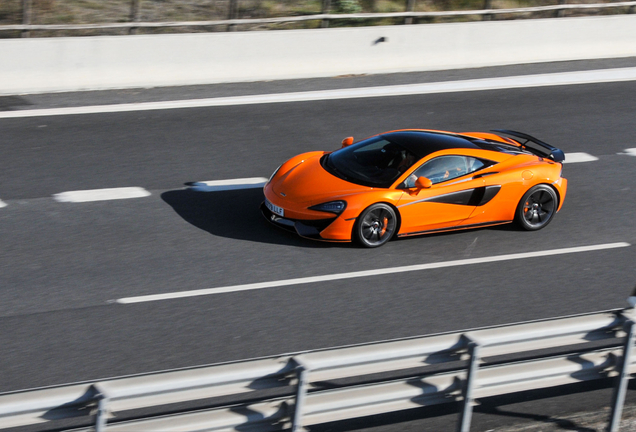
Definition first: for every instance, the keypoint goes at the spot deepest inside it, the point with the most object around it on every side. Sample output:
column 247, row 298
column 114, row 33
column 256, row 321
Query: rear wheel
column 375, row 225
column 537, row 208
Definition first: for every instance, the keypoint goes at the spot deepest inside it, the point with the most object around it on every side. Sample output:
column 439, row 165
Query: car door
column 453, row 196
column 494, row 207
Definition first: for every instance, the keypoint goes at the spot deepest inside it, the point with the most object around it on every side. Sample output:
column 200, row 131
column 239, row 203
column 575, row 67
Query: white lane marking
column 101, row 194
column 2, row 204
column 522, row 81
column 629, row 152
column 233, row 184
column 367, row 273
column 579, row 157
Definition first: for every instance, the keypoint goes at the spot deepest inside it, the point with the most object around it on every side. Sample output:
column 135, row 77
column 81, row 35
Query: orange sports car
column 410, row 182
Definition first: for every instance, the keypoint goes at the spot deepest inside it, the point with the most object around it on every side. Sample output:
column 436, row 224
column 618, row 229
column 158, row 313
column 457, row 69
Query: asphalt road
column 63, row 264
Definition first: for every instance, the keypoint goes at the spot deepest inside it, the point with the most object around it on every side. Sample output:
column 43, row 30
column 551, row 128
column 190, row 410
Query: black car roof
column 423, row 143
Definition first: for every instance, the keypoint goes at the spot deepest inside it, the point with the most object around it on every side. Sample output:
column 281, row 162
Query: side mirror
column 347, row 142
column 423, row 183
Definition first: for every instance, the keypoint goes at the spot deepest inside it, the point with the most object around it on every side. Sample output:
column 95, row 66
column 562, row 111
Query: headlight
column 336, row 207
column 273, row 174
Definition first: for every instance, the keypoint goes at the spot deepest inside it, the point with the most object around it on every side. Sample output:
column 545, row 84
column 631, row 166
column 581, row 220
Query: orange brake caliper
column 384, row 224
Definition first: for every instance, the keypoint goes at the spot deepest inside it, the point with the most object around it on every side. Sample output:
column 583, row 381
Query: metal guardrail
column 304, row 375
column 325, row 16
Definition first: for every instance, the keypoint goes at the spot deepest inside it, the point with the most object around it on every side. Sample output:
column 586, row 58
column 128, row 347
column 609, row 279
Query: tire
column 375, row 225
column 537, row 208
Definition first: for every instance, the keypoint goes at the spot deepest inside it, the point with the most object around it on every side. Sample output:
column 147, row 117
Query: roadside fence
column 292, row 391
column 325, row 16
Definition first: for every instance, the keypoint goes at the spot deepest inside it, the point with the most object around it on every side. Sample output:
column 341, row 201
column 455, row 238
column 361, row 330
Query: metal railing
column 487, row 13
column 313, row 393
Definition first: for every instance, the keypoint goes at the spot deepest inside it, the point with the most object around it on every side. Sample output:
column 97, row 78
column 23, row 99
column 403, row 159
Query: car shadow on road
column 233, row 214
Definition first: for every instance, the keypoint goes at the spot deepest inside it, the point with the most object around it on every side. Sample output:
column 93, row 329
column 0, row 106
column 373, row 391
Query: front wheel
column 537, row 208
column 375, row 226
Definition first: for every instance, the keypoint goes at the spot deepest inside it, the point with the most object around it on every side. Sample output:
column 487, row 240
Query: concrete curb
column 108, row 62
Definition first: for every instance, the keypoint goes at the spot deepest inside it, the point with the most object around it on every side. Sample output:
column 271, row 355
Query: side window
column 446, row 168
column 475, row 164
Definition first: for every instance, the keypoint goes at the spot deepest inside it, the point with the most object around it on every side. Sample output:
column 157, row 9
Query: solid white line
column 579, row 157
column 629, row 152
column 101, row 194
column 366, row 273
column 233, row 184
column 2, row 204
column 522, row 81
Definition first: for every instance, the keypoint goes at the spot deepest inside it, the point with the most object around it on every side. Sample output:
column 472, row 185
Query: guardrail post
column 232, row 14
column 102, row 412
column 560, row 12
column 135, row 8
column 301, row 391
column 622, row 379
column 27, row 10
column 487, row 5
column 410, row 5
column 468, row 402
column 326, row 7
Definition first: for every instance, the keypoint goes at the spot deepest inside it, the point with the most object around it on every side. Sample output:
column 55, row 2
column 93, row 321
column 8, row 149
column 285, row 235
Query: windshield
column 376, row 162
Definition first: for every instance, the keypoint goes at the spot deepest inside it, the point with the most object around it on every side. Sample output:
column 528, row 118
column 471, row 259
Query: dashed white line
column 101, row 194
column 579, row 157
column 629, row 152
column 2, row 204
column 522, row 81
column 367, row 273
column 233, row 184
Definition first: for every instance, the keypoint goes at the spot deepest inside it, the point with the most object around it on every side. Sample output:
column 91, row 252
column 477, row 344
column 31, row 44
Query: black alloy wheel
column 537, row 208
column 375, row 226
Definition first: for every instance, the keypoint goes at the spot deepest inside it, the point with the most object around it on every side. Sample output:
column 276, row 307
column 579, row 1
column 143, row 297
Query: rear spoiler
column 552, row 152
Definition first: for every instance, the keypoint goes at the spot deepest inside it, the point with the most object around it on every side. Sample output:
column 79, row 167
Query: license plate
column 274, row 209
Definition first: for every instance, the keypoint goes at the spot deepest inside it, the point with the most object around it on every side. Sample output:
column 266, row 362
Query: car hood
column 308, row 182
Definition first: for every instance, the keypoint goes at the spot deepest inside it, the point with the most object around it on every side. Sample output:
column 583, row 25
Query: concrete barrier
column 87, row 63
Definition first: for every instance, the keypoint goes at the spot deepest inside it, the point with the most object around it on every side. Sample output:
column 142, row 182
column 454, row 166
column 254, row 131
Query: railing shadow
column 564, row 424
column 80, row 407
column 447, row 415
column 273, row 422
column 8, row 103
